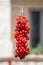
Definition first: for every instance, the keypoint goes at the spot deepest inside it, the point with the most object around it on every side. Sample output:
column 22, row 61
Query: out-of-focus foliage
column 37, row 50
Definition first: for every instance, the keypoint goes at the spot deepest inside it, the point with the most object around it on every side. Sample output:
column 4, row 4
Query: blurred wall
column 41, row 28
column 5, row 29
column 28, row 3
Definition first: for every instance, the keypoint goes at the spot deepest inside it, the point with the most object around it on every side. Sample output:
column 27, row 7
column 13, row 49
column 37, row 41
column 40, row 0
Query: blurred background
column 33, row 9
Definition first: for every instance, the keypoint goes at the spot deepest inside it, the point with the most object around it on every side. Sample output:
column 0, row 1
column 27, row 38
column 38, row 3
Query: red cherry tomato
column 21, row 34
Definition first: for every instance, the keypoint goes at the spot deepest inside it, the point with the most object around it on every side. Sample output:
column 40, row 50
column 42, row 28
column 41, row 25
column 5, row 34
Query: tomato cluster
column 21, row 34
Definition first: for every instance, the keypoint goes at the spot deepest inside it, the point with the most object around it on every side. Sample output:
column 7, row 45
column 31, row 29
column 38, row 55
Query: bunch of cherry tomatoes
column 21, row 32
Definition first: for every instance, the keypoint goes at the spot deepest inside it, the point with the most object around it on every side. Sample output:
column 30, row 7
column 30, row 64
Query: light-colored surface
column 23, row 63
column 5, row 29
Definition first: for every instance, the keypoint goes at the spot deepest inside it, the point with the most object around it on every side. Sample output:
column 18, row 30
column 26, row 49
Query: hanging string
column 21, row 10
